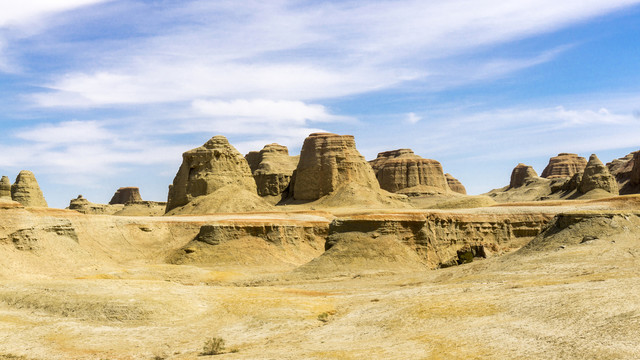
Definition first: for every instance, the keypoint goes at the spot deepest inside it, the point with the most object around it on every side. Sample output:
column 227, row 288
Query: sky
column 101, row 94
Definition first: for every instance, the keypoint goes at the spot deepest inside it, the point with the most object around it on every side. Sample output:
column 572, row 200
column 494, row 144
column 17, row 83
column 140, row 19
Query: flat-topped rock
column 125, row 195
column 564, row 165
column 401, row 169
column 5, row 188
column 597, row 176
column 26, row 190
column 520, row 174
column 207, row 168
column 272, row 168
column 455, row 185
column 328, row 161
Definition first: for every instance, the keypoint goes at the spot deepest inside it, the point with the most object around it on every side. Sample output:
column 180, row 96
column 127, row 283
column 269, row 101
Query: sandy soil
column 569, row 299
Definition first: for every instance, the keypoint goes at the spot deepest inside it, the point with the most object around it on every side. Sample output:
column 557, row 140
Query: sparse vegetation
column 324, row 317
column 213, row 346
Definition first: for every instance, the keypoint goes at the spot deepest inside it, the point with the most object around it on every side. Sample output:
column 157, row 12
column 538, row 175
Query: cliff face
column 442, row 239
column 328, row 161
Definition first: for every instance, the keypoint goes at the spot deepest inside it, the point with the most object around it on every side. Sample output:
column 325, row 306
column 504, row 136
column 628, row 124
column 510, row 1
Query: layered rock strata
column 455, row 185
column 442, row 239
column 597, row 176
column 521, row 174
column 26, row 190
column 207, row 168
column 5, row 188
column 272, row 169
column 402, row 169
column 564, row 166
column 328, row 161
column 125, row 195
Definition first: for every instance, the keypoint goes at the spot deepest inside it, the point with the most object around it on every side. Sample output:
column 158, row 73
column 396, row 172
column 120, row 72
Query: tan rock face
column 635, row 170
column 597, row 176
column 624, row 169
column 401, row 169
column 126, row 194
column 520, row 174
column 5, row 188
column 328, row 161
column 26, row 190
column 454, row 184
column 272, row 168
column 208, row 168
column 564, row 165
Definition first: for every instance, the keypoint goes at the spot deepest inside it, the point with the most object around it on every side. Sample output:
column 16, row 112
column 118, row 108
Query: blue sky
column 99, row 94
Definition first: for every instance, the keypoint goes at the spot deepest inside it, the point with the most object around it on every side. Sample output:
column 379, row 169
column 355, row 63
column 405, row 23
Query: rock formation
column 272, row 168
column 564, row 165
column 455, row 185
column 84, row 206
column 208, row 168
column 5, row 188
column 597, row 176
column 26, row 190
column 635, row 171
column 328, row 161
column 402, row 169
column 520, row 174
column 627, row 173
column 126, row 194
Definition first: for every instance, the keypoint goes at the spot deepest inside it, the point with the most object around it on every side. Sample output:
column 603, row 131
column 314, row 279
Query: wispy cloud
column 306, row 51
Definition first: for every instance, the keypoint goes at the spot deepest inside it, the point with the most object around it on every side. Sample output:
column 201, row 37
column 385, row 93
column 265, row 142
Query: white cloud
column 16, row 13
column 67, row 132
column 309, row 51
column 266, row 110
column 526, row 132
column 412, row 118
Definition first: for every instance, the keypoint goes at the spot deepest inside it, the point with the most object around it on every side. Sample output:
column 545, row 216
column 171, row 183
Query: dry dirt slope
column 565, row 296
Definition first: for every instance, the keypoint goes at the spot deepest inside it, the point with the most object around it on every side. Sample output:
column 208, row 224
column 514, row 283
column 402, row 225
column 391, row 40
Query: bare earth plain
column 556, row 280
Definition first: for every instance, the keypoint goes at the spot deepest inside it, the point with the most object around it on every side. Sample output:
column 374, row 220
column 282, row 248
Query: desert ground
column 570, row 293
